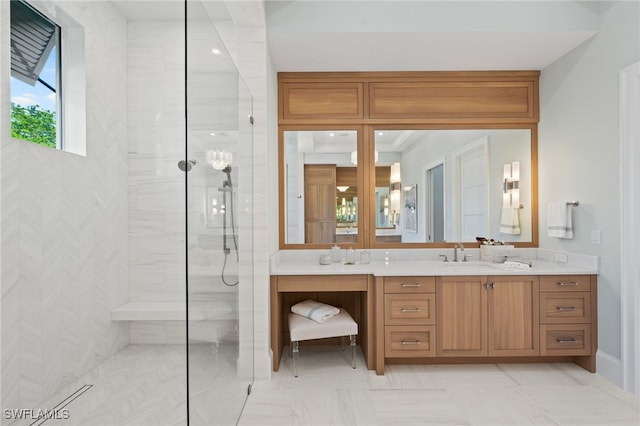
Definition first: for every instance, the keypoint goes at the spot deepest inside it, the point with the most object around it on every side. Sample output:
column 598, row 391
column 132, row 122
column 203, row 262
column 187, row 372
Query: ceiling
column 414, row 35
column 310, row 35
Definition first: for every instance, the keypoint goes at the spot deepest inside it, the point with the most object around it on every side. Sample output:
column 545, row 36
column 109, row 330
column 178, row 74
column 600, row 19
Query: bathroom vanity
column 421, row 311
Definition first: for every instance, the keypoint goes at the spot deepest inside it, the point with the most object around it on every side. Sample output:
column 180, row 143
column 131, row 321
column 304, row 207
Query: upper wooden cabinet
column 453, row 101
column 409, row 97
column 304, row 101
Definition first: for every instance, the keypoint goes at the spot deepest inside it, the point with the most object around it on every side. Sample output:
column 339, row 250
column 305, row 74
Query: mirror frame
column 366, row 182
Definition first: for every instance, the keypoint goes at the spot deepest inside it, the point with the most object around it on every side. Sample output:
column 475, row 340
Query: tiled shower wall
column 64, row 227
column 156, row 133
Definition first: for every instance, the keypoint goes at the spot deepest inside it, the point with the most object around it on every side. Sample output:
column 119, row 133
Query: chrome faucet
column 455, row 251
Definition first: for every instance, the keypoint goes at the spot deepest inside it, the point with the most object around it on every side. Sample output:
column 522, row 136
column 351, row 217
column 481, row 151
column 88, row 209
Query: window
column 35, row 76
column 48, row 75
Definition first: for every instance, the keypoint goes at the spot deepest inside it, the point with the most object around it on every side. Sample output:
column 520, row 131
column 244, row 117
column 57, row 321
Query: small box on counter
column 496, row 253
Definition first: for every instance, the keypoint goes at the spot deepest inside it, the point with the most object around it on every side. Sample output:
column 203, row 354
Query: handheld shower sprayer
column 227, row 186
column 227, row 171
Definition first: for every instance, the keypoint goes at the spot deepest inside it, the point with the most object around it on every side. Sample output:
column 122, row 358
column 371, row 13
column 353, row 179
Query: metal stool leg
column 352, row 343
column 296, row 351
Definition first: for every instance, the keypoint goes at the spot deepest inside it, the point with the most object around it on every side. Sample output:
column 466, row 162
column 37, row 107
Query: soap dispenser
column 336, row 254
column 350, row 257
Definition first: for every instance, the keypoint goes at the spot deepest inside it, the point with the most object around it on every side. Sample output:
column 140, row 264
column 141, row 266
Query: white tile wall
column 64, row 228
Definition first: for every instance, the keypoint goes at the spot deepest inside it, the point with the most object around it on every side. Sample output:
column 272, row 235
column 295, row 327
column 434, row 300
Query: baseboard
column 609, row 368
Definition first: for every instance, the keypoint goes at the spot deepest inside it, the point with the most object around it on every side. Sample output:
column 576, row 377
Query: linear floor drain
column 57, row 411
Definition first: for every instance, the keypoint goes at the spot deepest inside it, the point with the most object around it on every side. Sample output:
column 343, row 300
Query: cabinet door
column 513, row 316
column 461, row 316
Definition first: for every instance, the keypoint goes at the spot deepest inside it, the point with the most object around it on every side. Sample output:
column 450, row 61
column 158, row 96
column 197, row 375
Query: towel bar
column 573, row 203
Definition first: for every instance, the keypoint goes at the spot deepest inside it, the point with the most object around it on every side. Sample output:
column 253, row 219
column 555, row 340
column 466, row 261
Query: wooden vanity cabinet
column 566, row 315
column 409, row 317
column 484, row 316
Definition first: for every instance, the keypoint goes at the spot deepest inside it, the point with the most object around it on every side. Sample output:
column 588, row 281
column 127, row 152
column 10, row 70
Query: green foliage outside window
column 31, row 123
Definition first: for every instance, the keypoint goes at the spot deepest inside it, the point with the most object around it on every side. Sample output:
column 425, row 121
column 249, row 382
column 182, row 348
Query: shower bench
column 163, row 322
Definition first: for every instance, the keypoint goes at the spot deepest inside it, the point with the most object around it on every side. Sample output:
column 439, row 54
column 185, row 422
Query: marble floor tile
column 327, row 393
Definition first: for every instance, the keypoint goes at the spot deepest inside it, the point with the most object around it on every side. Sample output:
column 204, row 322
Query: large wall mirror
column 321, row 191
column 423, row 187
column 454, row 185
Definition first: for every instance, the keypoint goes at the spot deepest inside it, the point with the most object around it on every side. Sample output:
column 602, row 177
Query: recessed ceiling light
column 380, row 133
column 213, row 133
column 215, row 51
column 332, row 134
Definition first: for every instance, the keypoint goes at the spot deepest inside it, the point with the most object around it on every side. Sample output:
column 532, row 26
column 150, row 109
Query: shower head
column 186, row 166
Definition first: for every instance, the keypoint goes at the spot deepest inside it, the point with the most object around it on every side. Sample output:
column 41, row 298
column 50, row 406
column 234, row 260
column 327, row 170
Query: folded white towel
column 517, row 264
column 559, row 220
column 319, row 312
column 510, row 221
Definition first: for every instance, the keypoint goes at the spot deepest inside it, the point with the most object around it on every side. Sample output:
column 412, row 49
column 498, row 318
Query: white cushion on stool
column 301, row 328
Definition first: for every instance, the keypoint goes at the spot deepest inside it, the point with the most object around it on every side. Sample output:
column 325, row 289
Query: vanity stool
column 340, row 325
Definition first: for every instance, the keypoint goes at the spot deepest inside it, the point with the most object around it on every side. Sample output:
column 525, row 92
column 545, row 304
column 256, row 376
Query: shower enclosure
column 127, row 274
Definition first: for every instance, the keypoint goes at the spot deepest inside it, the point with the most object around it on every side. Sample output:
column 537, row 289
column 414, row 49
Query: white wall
column 579, row 151
column 64, row 227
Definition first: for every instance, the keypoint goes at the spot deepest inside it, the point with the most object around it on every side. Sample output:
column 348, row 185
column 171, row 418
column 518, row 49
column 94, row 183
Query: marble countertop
column 392, row 263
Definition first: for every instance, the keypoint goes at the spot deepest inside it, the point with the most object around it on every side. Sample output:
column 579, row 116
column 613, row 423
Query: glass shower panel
column 219, row 223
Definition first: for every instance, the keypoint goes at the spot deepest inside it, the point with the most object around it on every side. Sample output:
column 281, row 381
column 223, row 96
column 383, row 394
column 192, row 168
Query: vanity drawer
column 410, row 284
column 565, row 307
column 409, row 341
column 565, row 283
column 417, row 309
column 570, row 339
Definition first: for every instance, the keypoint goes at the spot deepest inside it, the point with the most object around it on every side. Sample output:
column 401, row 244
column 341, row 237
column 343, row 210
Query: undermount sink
column 468, row 264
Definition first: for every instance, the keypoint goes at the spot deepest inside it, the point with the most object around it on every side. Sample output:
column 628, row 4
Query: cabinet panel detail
column 314, row 283
column 565, row 307
column 448, row 100
column 409, row 341
column 570, row 339
column 409, row 284
column 461, row 316
column 417, row 309
column 565, row 283
column 322, row 100
column 513, row 316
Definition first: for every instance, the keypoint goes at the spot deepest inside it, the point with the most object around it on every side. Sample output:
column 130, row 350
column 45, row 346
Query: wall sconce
column 395, row 187
column 342, row 188
column 511, row 185
column 395, row 173
column 354, row 157
column 218, row 159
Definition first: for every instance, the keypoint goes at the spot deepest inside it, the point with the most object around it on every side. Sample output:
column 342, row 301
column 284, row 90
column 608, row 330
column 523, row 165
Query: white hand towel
column 319, row 312
column 510, row 221
column 559, row 220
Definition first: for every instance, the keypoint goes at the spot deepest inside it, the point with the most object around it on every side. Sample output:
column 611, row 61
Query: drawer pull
column 566, row 340
column 410, row 285
column 567, row 283
column 409, row 309
column 410, row 342
column 565, row 308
